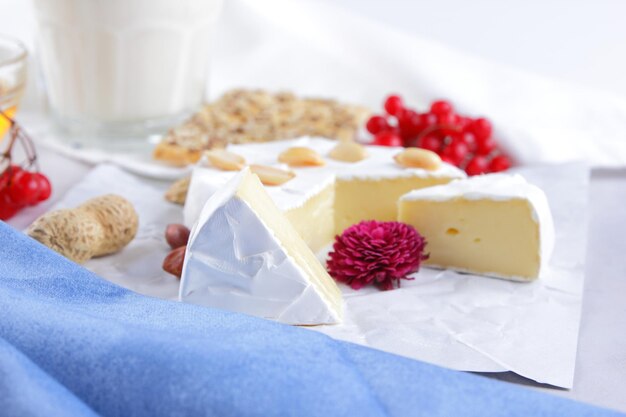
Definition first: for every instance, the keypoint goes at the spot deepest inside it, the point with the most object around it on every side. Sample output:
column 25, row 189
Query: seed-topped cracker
column 245, row 116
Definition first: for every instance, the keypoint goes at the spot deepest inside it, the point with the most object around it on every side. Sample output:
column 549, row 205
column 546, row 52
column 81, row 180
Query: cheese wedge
column 243, row 255
column 496, row 225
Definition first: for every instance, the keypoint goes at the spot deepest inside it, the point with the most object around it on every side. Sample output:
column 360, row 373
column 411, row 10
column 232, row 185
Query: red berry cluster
column 460, row 140
column 22, row 184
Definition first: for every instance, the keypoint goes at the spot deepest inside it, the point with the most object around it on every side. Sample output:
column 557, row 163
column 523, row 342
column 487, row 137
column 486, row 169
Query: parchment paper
column 455, row 320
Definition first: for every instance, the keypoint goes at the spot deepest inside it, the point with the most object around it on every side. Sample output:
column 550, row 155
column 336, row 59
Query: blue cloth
column 73, row 344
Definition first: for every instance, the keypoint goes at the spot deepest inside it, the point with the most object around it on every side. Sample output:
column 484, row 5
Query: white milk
column 125, row 62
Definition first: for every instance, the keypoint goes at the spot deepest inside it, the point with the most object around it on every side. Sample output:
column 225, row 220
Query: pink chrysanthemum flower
column 379, row 253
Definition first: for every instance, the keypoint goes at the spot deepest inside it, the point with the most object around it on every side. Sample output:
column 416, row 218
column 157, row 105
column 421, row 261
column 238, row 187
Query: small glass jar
column 13, row 58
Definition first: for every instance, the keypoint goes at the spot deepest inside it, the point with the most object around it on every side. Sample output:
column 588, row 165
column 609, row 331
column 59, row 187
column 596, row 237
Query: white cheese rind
column 234, row 262
column 498, row 187
column 309, row 181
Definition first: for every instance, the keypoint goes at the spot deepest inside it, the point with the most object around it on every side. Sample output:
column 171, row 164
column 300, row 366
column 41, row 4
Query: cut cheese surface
column 313, row 220
column 496, row 225
column 374, row 199
column 244, row 255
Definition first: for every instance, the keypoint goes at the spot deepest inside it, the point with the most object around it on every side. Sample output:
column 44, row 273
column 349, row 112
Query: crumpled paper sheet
column 454, row 320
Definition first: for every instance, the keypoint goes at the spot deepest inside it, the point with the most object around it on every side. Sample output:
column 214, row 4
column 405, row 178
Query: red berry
column 485, row 146
column 456, row 151
column 409, row 123
column 24, row 188
column 469, row 139
column 8, row 208
column 449, row 119
column 45, row 189
column 388, row 138
column 9, row 172
column 441, row 107
column 377, row 124
column 464, row 123
column 499, row 163
column 428, row 119
column 481, row 128
column 393, row 105
column 477, row 165
column 432, row 142
column 4, row 179
column 448, row 160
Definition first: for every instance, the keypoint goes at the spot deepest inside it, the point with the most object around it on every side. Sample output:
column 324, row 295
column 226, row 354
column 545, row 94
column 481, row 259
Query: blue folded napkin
column 73, row 344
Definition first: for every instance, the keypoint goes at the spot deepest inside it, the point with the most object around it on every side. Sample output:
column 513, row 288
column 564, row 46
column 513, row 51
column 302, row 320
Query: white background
column 579, row 41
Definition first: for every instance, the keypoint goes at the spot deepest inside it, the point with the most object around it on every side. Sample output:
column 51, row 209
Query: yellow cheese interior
column 314, row 219
column 251, row 190
column 375, row 199
column 497, row 238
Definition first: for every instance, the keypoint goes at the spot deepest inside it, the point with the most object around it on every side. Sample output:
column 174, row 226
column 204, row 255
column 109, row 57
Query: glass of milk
column 117, row 71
